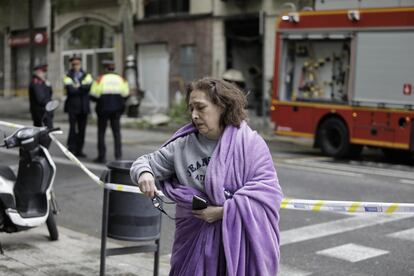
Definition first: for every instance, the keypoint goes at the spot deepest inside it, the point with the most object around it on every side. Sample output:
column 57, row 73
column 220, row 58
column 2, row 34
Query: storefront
column 19, row 44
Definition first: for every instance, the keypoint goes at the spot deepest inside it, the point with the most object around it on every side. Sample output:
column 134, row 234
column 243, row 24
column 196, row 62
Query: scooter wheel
column 51, row 226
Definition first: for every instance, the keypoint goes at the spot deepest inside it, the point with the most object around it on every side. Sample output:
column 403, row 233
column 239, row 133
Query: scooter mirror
column 52, row 105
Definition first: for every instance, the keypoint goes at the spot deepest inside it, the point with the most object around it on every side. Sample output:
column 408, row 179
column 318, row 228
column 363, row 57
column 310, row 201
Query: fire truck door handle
column 374, row 131
column 295, row 108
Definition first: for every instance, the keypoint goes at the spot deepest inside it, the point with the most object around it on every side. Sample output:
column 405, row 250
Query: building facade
column 172, row 42
column 18, row 45
column 181, row 40
column 90, row 28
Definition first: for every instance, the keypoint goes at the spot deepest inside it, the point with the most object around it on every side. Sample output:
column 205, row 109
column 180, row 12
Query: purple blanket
column 246, row 241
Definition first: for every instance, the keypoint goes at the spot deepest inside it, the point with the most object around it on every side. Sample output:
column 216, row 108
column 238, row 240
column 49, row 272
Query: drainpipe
column 52, row 25
column 31, row 45
column 130, row 66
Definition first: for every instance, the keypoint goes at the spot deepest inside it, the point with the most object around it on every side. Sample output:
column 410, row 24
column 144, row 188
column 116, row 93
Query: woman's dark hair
column 224, row 94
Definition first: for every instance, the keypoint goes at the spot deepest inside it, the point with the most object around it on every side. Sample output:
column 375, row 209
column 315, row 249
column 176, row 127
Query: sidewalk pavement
column 74, row 254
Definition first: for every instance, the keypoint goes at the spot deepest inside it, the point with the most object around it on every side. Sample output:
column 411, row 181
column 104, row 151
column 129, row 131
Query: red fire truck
column 345, row 78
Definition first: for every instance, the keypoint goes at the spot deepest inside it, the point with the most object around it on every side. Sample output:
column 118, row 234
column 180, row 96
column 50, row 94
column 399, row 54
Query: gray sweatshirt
column 186, row 158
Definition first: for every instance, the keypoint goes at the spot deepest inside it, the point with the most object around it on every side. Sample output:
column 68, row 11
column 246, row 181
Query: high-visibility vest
column 86, row 80
column 110, row 84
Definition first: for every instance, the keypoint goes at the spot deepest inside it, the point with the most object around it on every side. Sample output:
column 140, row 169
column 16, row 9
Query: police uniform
column 110, row 92
column 77, row 85
column 40, row 93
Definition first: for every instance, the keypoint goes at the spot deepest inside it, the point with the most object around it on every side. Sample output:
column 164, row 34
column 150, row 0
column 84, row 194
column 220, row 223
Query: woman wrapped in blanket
column 221, row 159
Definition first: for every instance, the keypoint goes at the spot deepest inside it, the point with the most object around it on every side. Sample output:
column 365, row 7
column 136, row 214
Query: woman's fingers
column 210, row 214
column 146, row 184
column 148, row 189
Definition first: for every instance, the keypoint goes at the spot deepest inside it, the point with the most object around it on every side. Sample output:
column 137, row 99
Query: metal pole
column 264, row 90
column 130, row 72
column 104, row 231
column 157, row 257
column 31, row 46
column 52, row 25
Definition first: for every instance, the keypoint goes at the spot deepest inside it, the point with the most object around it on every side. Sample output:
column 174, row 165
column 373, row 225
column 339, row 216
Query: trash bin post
column 104, row 231
column 156, row 257
column 129, row 217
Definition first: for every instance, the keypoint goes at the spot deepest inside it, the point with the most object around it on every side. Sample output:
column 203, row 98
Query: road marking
column 352, row 252
column 407, row 181
column 315, row 163
column 320, row 230
column 316, row 170
column 405, row 234
column 290, row 271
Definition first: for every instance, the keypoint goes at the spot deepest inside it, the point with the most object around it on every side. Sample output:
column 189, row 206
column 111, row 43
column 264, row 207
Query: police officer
column 77, row 84
column 40, row 93
column 110, row 92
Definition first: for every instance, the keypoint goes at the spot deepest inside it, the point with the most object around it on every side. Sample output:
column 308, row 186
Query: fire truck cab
column 345, row 78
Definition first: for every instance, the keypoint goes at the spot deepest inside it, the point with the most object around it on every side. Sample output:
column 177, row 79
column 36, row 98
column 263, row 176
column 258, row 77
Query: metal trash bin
column 131, row 216
column 128, row 216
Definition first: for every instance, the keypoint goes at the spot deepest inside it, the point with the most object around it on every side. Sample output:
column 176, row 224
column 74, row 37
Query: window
column 155, row 8
column 89, row 36
column 188, row 62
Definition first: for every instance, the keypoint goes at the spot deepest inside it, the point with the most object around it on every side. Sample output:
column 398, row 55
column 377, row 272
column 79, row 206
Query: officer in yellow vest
column 77, row 84
column 110, row 92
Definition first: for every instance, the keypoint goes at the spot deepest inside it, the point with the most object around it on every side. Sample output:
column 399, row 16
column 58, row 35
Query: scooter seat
column 7, row 173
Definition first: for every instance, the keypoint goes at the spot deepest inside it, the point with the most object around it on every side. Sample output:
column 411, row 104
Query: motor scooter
column 26, row 199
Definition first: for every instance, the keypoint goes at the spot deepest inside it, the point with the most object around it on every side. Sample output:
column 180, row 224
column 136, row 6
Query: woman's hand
column 209, row 214
column 146, row 184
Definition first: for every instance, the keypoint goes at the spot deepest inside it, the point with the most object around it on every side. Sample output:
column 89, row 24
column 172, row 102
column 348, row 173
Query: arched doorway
column 94, row 43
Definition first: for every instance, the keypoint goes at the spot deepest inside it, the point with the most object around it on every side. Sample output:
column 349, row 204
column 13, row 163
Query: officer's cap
column 42, row 66
column 75, row 57
column 109, row 64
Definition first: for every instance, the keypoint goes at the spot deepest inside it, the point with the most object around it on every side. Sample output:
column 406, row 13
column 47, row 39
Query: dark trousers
column 43, row 119
column 37, row 119
column 77, row 127
column 103, row 119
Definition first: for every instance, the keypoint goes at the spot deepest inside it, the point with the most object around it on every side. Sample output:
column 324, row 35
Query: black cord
column 165, row 213
column 157, row 204
column 162, row 200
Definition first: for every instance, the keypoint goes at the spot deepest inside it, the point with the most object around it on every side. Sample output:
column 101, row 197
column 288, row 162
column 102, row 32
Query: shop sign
column 39, row 38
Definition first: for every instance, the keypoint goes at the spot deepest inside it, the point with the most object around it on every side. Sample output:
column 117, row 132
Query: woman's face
column 205, row 115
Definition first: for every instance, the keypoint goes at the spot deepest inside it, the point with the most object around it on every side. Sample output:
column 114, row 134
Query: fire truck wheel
column 334, row 138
